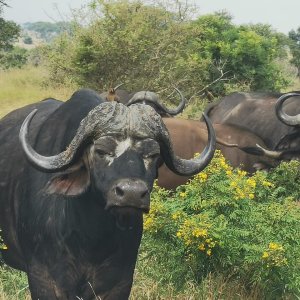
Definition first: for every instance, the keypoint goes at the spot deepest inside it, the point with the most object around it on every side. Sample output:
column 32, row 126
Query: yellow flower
column 200, row 232
column 175, row 216
column 233, row 184
column 182, row 194
column 242, row 173
column 266, row 183
column 251, row 196
column 275, row 246
column 265, row 255
column 229, row 172
column 201, row 247
column 208, row 252
column 203, row 176
column 148, row 222
column 251, row 182
column 179, row 234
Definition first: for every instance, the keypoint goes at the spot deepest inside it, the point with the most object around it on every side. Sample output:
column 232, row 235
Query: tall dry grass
column 19, row 87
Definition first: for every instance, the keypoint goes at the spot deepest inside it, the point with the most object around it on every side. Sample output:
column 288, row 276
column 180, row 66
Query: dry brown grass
column 19, row 87
column 212, row 288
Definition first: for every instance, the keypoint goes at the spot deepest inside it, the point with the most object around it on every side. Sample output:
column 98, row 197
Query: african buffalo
column 73, row 191
column 238, row 145
column 289, row 147
column 190, row 137
column 256, row 112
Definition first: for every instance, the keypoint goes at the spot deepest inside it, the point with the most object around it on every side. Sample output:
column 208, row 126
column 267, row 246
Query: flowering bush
column 226, row 221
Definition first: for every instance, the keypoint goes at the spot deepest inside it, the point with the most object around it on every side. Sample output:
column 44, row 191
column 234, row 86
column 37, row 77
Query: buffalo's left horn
column 189, row 167
column 53, row 163
column 151, row 97
column 281, row 115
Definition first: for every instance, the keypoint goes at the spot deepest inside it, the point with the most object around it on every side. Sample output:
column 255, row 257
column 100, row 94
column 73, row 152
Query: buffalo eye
column 105, row 146
column 103, row 152
column 148, row 149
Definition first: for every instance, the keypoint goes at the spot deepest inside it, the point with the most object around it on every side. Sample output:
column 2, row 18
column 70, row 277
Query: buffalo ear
column 72, row 182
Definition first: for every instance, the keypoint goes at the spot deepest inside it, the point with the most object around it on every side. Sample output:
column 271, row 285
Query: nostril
column 119, row 192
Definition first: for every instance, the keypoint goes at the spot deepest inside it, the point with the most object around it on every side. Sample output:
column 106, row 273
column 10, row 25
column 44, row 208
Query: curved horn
column 270, row 153
column 223, row 143
column 281, row 115
column 188, row 167
column 148, row 97
column 50, row 163
column 116, row 87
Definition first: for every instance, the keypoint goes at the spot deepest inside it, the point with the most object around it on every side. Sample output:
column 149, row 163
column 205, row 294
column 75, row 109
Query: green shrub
column 14, row 58
column 148, row 46
column 226, row 222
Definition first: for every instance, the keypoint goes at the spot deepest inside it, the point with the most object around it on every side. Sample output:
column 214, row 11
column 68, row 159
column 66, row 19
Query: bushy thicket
column 15, row 58
column 151, row 47
column 226, row 222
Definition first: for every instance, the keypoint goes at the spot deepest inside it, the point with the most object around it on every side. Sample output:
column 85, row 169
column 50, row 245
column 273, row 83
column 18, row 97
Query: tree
column 247, row 54
column 3, row 3
column 150, row 47
column 15, row 58
column 294, row 36
column 9, row 31
column 27, row 40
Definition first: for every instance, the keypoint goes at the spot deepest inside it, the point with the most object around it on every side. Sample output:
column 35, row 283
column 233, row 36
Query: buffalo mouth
column 128, row 195
column 127, row 217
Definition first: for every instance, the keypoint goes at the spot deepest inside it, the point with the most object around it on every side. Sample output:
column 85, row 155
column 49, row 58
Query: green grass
column 13, row 284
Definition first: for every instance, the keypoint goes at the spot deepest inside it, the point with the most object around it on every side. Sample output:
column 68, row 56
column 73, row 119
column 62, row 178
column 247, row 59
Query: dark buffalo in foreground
column 256, row 112
column 190, row 137
column 74, row 189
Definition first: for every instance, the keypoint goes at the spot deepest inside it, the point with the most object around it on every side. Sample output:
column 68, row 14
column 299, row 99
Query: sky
column 282, row 15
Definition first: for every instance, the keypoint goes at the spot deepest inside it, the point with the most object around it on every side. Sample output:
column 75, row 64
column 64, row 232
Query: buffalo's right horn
column 281, row 115
column 53, row 163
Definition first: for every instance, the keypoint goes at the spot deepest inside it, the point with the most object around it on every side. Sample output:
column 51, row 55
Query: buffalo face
column 114, row 155
column 124, row 170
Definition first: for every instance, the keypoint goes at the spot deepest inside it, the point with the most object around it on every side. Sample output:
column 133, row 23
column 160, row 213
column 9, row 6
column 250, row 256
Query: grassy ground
column 19, row 87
